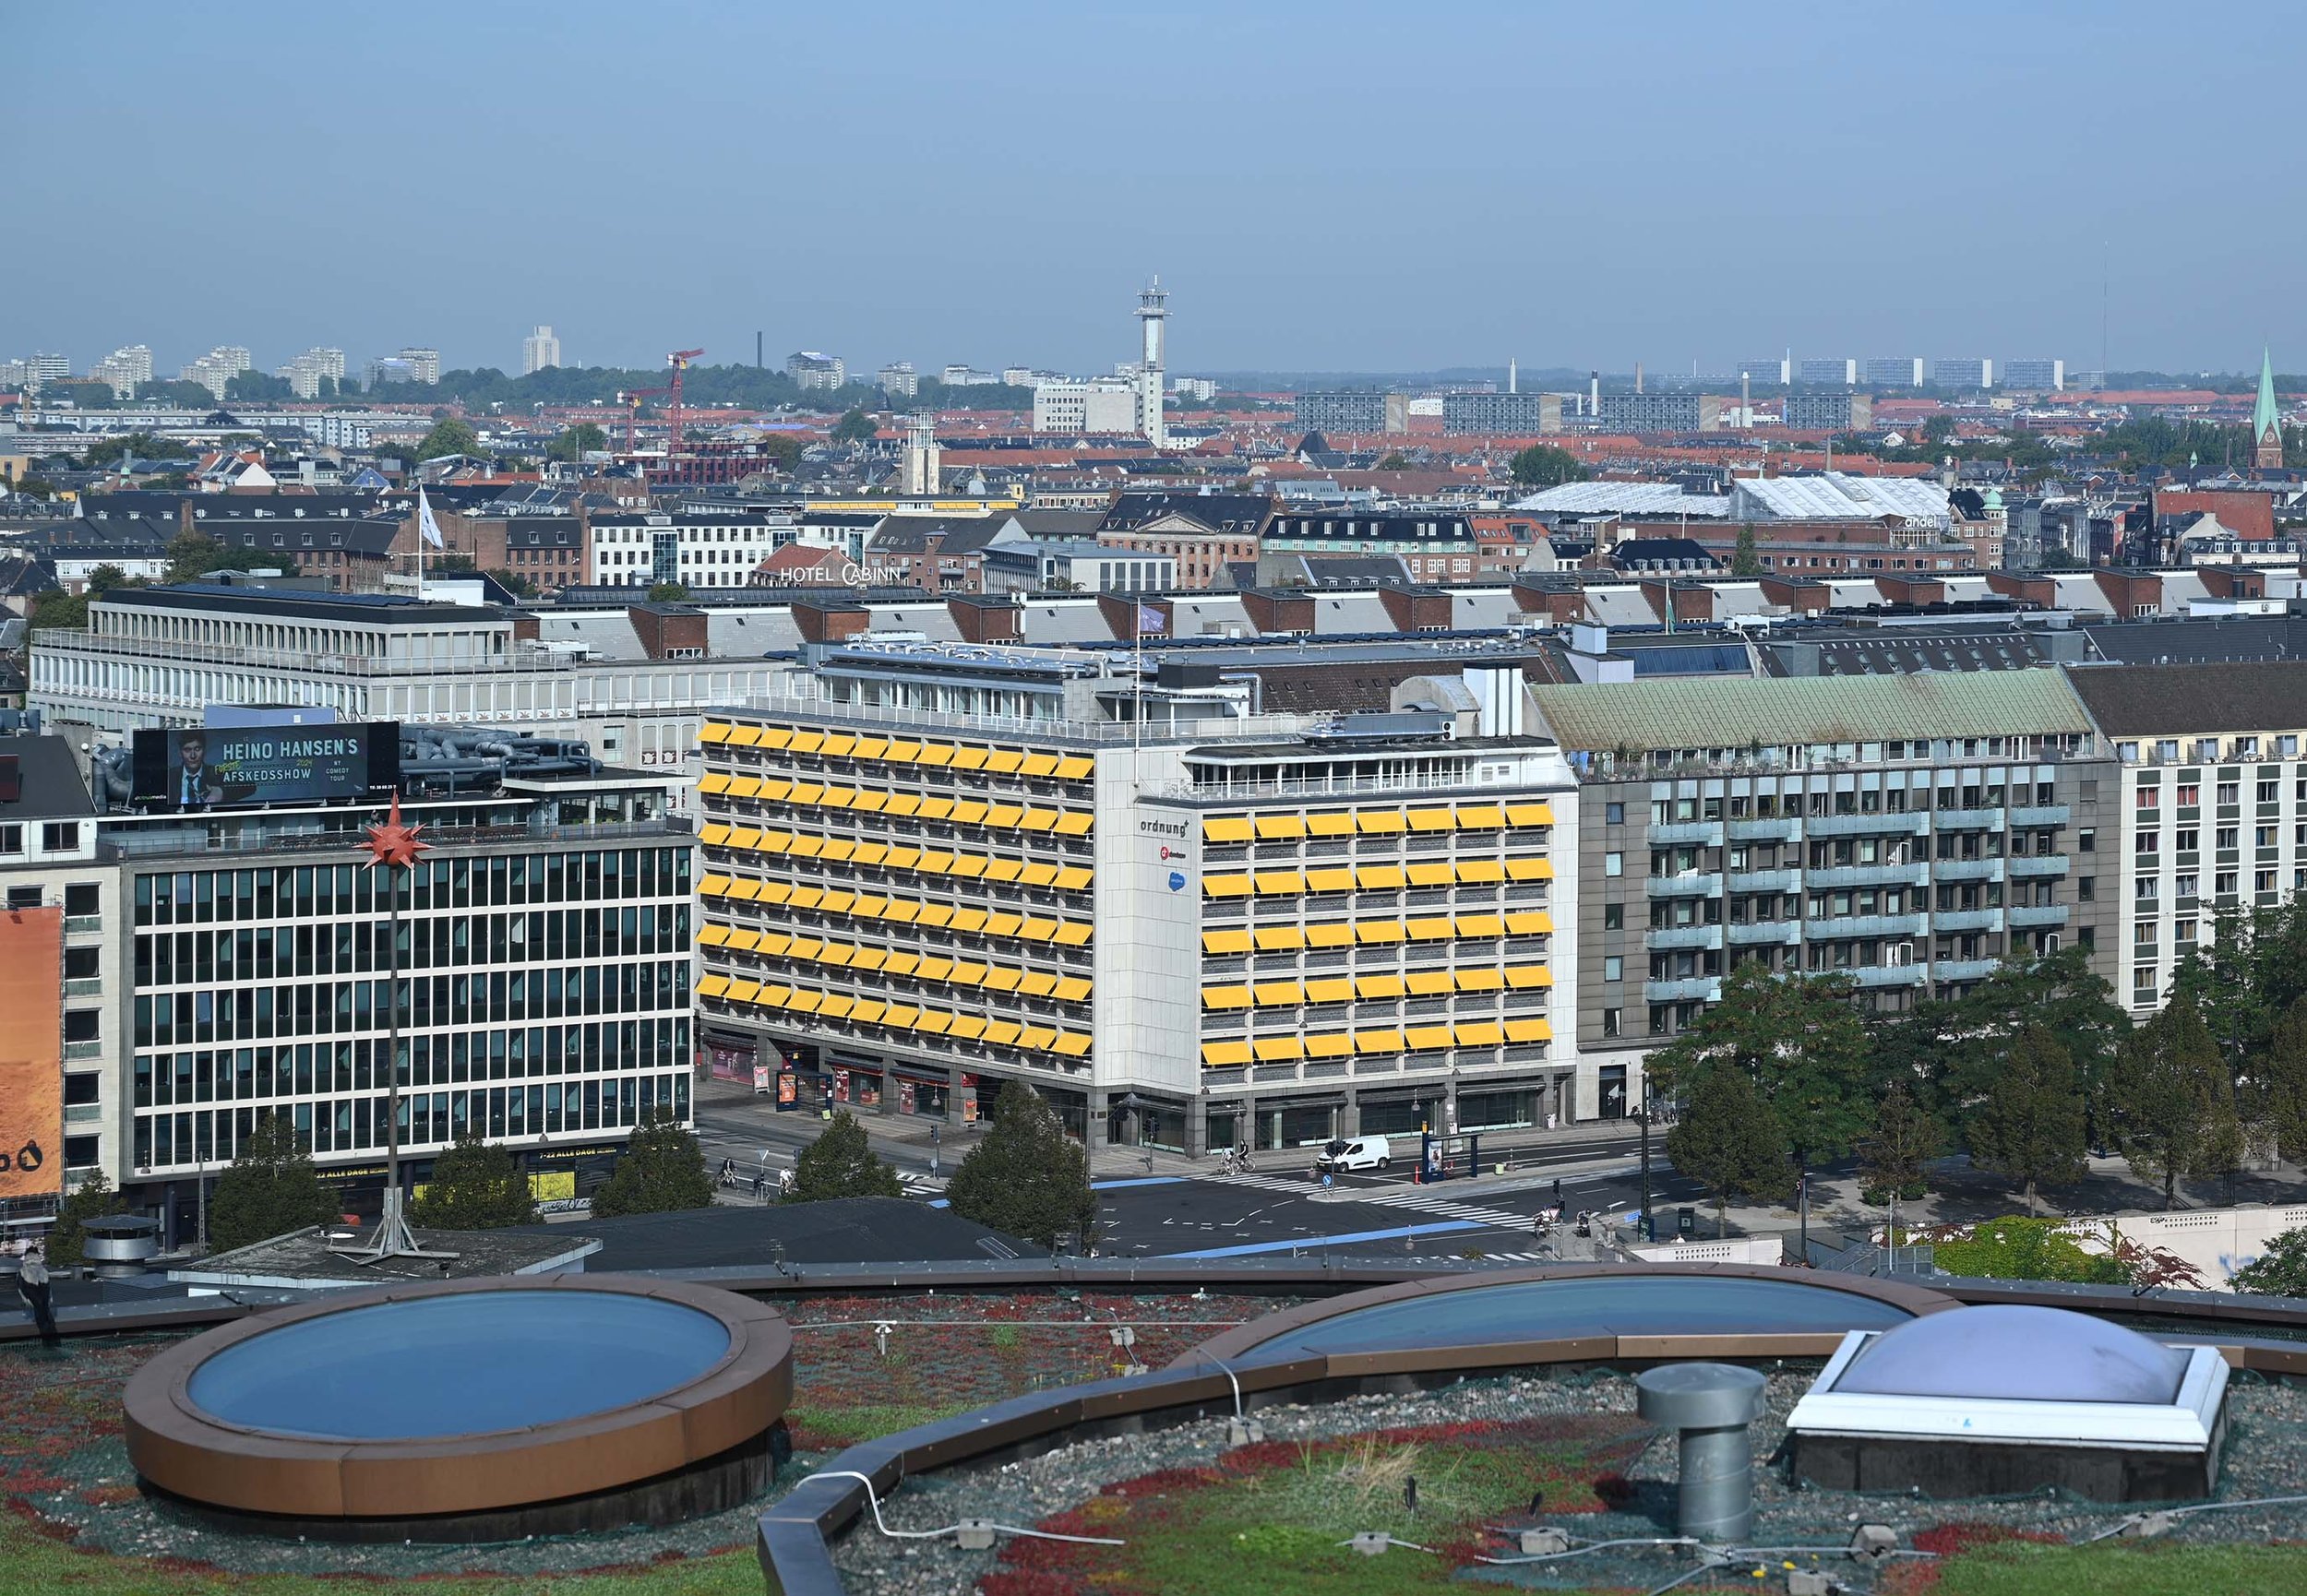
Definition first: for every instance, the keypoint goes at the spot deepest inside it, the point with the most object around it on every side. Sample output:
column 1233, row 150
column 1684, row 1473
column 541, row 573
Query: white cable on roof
column 881, row 1524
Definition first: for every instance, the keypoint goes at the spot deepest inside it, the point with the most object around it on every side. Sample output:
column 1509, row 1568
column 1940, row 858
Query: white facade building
column 538, row 350
column 124, row 370
column 700, row 552
column 1100, row 407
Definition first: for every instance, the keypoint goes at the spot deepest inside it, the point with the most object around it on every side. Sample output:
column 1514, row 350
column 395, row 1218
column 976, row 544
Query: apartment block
column 929, row 870
column 1662, row 412
column 2212, row 794
column 1839, row 413
column 1357, row 411
column 1907, row 831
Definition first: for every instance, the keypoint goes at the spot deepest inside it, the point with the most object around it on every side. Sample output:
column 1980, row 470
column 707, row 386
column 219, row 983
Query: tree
column 1544, row 466
column 192, row 556
column 577, row 442
column 58, row 610
column 2024, row 1250
column 2283, row 1085
column 855, row 427
column 270, row 1189
column 92, row 1199
column 475, row 1187
column 513, row 582
column 448, row 437
column 1745, row 562
column 2172, row 1102
column 260, row 388
column 1027, row 1178
column 2029, row 1125
column 1729, row 1140
column 1801, row 1043
column 662, row 1170
column 2060, row 992
column 840, row 1163
column 2279, row 1270
column 1893, row 1154
column 668, row 593
column 1396, row 461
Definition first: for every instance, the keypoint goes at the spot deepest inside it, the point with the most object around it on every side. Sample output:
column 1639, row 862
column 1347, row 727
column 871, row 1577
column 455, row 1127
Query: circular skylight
column 2018, row 1354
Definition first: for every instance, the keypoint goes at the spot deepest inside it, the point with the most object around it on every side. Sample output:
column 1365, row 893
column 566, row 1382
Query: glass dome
column 459, row 1365
column 2017, row 1353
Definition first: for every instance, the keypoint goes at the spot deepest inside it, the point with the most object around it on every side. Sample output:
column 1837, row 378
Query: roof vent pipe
column 1711, row 1405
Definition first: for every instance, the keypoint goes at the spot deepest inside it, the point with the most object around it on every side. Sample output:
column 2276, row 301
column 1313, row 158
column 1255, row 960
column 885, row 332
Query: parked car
column 1358, row 1153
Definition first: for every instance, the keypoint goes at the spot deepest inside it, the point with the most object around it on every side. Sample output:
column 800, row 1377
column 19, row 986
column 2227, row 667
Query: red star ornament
column 393, row 844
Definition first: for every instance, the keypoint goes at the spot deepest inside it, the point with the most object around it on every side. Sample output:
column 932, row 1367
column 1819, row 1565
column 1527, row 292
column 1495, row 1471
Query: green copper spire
column 2263, row 414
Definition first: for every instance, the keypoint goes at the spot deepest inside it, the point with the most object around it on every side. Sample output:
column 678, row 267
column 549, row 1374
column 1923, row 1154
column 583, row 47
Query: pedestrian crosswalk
column 1419, row 1200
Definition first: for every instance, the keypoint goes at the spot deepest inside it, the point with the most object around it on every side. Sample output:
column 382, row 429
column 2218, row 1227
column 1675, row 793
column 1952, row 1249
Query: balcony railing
column 2038, row 865
column 1766, row 829
column 2034, row 914
column 1691, row 989
column 1966, row 870
column 1882, row 974
column 1902, row 823
column 1845, row 927
column 1963, row 969
column 1970, row 820
column 1967, row 919
column 1673, row 936
column 1764, row 933
column 1691, row 885
column 1706, row 833
column 2039, row 814
column 1765, row 880
column 1867, row 875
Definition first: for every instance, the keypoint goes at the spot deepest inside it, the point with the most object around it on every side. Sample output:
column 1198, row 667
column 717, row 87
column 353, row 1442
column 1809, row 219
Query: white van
column 1359, row 1152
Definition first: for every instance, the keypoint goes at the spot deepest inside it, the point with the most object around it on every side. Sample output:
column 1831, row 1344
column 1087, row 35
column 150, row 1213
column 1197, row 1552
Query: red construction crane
column 632, row 411
column 680, row 358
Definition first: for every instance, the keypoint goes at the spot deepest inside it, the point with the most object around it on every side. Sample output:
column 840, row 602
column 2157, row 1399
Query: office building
column 1355, row 410
column 1892, row 371
column 1963, row 373
column 1662, row 412
column 124, row 370
column 1107, row 407
column 701, row 551
column 1831, row 372
column 423, row 364
column 229, row 965
column 1836, row 413
column 932, row 869
column 2211, row 797
column 898, row 379
column 2035, row 375
column 1512, row 414
column 539, row 350
column 810, row 370
column 1905, row 831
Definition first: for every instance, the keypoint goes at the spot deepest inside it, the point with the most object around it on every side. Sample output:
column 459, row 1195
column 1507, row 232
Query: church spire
column 2266, row 421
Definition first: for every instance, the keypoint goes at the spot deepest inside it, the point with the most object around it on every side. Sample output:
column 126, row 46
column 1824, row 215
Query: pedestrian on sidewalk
column 31, row 1284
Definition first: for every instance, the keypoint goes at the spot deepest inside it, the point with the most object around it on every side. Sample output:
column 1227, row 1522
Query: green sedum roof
column 1739, row 712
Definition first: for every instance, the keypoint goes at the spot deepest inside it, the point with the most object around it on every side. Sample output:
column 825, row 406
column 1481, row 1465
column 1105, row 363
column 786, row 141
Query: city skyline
column 1853, row 219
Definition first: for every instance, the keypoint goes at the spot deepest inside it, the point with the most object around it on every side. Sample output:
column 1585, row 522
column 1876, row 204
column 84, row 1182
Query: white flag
column 427, row 528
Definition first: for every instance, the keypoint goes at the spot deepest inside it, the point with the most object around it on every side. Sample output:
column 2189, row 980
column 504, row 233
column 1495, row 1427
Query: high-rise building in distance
column 808, row 369
column 539, row 349
column 2035, row 376
column 424, row 364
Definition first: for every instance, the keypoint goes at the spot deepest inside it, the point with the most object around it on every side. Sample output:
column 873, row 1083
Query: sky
column 1335, row 186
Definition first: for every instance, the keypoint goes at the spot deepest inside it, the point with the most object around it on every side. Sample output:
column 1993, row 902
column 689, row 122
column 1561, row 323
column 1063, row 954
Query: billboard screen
column 202, row 767
column 32, row 1053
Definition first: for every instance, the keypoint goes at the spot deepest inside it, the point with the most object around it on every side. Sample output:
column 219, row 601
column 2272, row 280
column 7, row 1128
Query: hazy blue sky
column 1341, row 186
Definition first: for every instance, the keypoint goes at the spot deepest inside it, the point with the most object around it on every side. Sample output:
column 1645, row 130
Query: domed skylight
column 2016, row 1355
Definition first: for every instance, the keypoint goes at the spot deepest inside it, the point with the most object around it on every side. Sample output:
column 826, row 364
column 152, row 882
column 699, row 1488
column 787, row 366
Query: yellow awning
column 901, row 804
column 770, row 841
column 1480, row 1033
column 768, row 944
column 1431, row 820
column 1226, row 829
column 968, row 811
column 934, row 861
column 775, row 789
column 1037, row 929
column 712, row 985
column 805, row 896
column 837, row 745
column 807, row 742
column 1036, row 874
column 934, row 754
column 1530, row 923
column 1001, row 923
column 967, row 1026
column 1073, row 877
column 712, row 781
column 1431, row 873
column 1002, row 869
column 1039, row 766
column 1072, row 1043
column 934, row 1021
column 868, row 1011
column 1221, row 1054
column 1522, row 977
column 900, row 963
column 743, row 888
column 1481, row 925
column 773, row 892
column 1271, row 826
column 776, row 736
column 1037, row 819
column 1387, row 1041
column 1280, row 882
column 1375, row 820
column 1378, row 985
column 1329, row 879
column 1378, row 931
column 836, row 848
column 1530, row 869
column 1275, row 938
column 1277, row 1048
column 744, row 838
column 807, row 792
column 1379, row 878
column 777, row 996
column 1427, row 1038
column 1002, row 1032
column 869, row 958
column 900, row 1015
column 1529, row 1030
column 1002, row 978
column 746, row 736
column 1331, row 823
column 901, row 910
column 1481, row 870
column 1329, row 1044
column 933, row 914
column 968, row 866
column 837, row 901
column 1529, row 815
column 966, row 972
column 901, row 751
column 870, row 748
column 1073, row 823
column 714, row 886
column 805, row 846
column 838, row 797
column 1226, row 942
column 1002, row 816
column 1226, row 887
column 870, row 800
column 1480, row 818
column 1225, row 998
column 1004, row 761
column 744, row 991
column 714, row 835
column 1278, row 993
column 1036, row 1038
column 1074, row 766
column 713, row 732
column 712, row 936
column 749, row 786
column 1425, row 983
column 1073, row 989
column 932, row 967
column 1479, row 980
column 1335, row 934
column 902, row 858
column 1330, row 989
column 834, row 1005
column 969, row 919
column 869, row 853
column 935, row 808
column 803, row 947
column 968, row 756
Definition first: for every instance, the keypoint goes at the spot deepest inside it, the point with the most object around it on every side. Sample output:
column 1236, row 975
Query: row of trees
column 2028, row 1072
